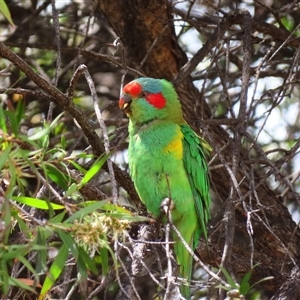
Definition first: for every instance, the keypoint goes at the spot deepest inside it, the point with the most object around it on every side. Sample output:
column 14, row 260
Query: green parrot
column 167, row 160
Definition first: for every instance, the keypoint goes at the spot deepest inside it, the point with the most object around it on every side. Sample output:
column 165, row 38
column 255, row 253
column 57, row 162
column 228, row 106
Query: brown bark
column 290, row 290
column 140, row 25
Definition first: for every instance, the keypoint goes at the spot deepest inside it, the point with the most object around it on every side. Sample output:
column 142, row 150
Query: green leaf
column 244, row 288
column 55, row 271
column 288, row 22
column 63, row 142
column 77, row 166
column 5, row 11
column 44, row 132
column 116, row 208
column 72, row 188
column 22, row 225
column 40, row 134
column 88, row 262
column 15, row 117
column 18, row 283
column 223, row 287
column 55, row 121
column 14, row 251
column 2, row 120
column 228, row 277
column 27, row 264
column 20, row 111
column 45, row 141
column 262, row 280
column 5, row 278
column 37, row 203
column 13, row 121
column 41, row 260
column 57, row 176
column 58, row 218
column 69, row 242
column 85, row 155
column 82, row 269
column 87, row 210
column 104, row 260
column 128, row 217
column 12, row 181
column 94, row 169
column 4, row 156
column 6, row 217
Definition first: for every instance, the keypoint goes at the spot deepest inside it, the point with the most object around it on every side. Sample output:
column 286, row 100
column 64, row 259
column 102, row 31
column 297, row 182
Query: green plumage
column 167, row 160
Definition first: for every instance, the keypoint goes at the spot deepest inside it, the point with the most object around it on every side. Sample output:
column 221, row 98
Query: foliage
column 5, row 11
column 240, row 291
column 82, row 237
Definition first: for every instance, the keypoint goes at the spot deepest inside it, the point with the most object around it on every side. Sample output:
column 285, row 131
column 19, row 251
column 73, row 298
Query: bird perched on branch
column 167, row 160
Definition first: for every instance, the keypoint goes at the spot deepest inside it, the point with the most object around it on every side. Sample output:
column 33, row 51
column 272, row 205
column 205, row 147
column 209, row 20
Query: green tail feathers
column 190, row 231
column 185, row 262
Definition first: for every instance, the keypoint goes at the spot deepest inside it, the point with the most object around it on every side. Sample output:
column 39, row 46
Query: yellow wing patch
column 175, row 147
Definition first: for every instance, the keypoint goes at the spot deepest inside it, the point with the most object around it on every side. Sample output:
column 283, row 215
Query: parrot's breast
column 175, row 146
column 156, row 166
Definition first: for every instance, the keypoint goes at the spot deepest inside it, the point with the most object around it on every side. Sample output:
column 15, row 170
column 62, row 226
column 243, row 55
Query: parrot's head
column 148, row 99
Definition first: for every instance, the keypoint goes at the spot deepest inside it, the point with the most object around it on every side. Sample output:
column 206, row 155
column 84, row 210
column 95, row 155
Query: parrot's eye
column 144, row 94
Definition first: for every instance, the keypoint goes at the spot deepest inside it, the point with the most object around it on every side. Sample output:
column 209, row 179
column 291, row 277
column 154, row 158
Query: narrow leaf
column 262, row 280
column 116, row 208
column 246, row 277
column 55, row 271
column 94, row 169
column 37, row 203
column 88, row 262
column 85, row 211
column 20, row 111
column 22, row 225
column 69, row 242
column 104, row 260
column 77, row 166
column 128, row 217
column 72, row 188
column 55, row 121
column 228, row 278
column 58, row 218
column 22, row 283
column 57, row 176
column 13, row 121
column 41, row 261
column 5, row 277
column 244, row 288
column 2, row 120
column 26, row 263
column 40, row 134
column 4, row 156
column 5, row 11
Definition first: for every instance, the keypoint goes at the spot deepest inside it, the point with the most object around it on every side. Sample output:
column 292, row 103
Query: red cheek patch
column 157, row 100
column 133, row 89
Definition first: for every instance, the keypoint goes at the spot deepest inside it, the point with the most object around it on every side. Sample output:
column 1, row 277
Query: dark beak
column 125, row 102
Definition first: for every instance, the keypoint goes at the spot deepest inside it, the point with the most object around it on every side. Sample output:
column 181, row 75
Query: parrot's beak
column 124, row 102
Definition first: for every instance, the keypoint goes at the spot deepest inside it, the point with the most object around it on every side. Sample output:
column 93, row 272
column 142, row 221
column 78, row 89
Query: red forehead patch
column 133, row 89
column 157, row 100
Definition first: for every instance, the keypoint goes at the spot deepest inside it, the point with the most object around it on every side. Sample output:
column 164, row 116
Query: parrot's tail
column 184, row 258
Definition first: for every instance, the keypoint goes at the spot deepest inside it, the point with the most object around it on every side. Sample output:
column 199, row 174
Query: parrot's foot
column 167, row 205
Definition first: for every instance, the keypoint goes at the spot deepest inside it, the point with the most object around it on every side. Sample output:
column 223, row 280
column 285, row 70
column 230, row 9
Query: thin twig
column 58, row 58
column 103, row 128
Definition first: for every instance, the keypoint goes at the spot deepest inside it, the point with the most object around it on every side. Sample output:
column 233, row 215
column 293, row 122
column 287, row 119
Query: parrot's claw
column 167, row 205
